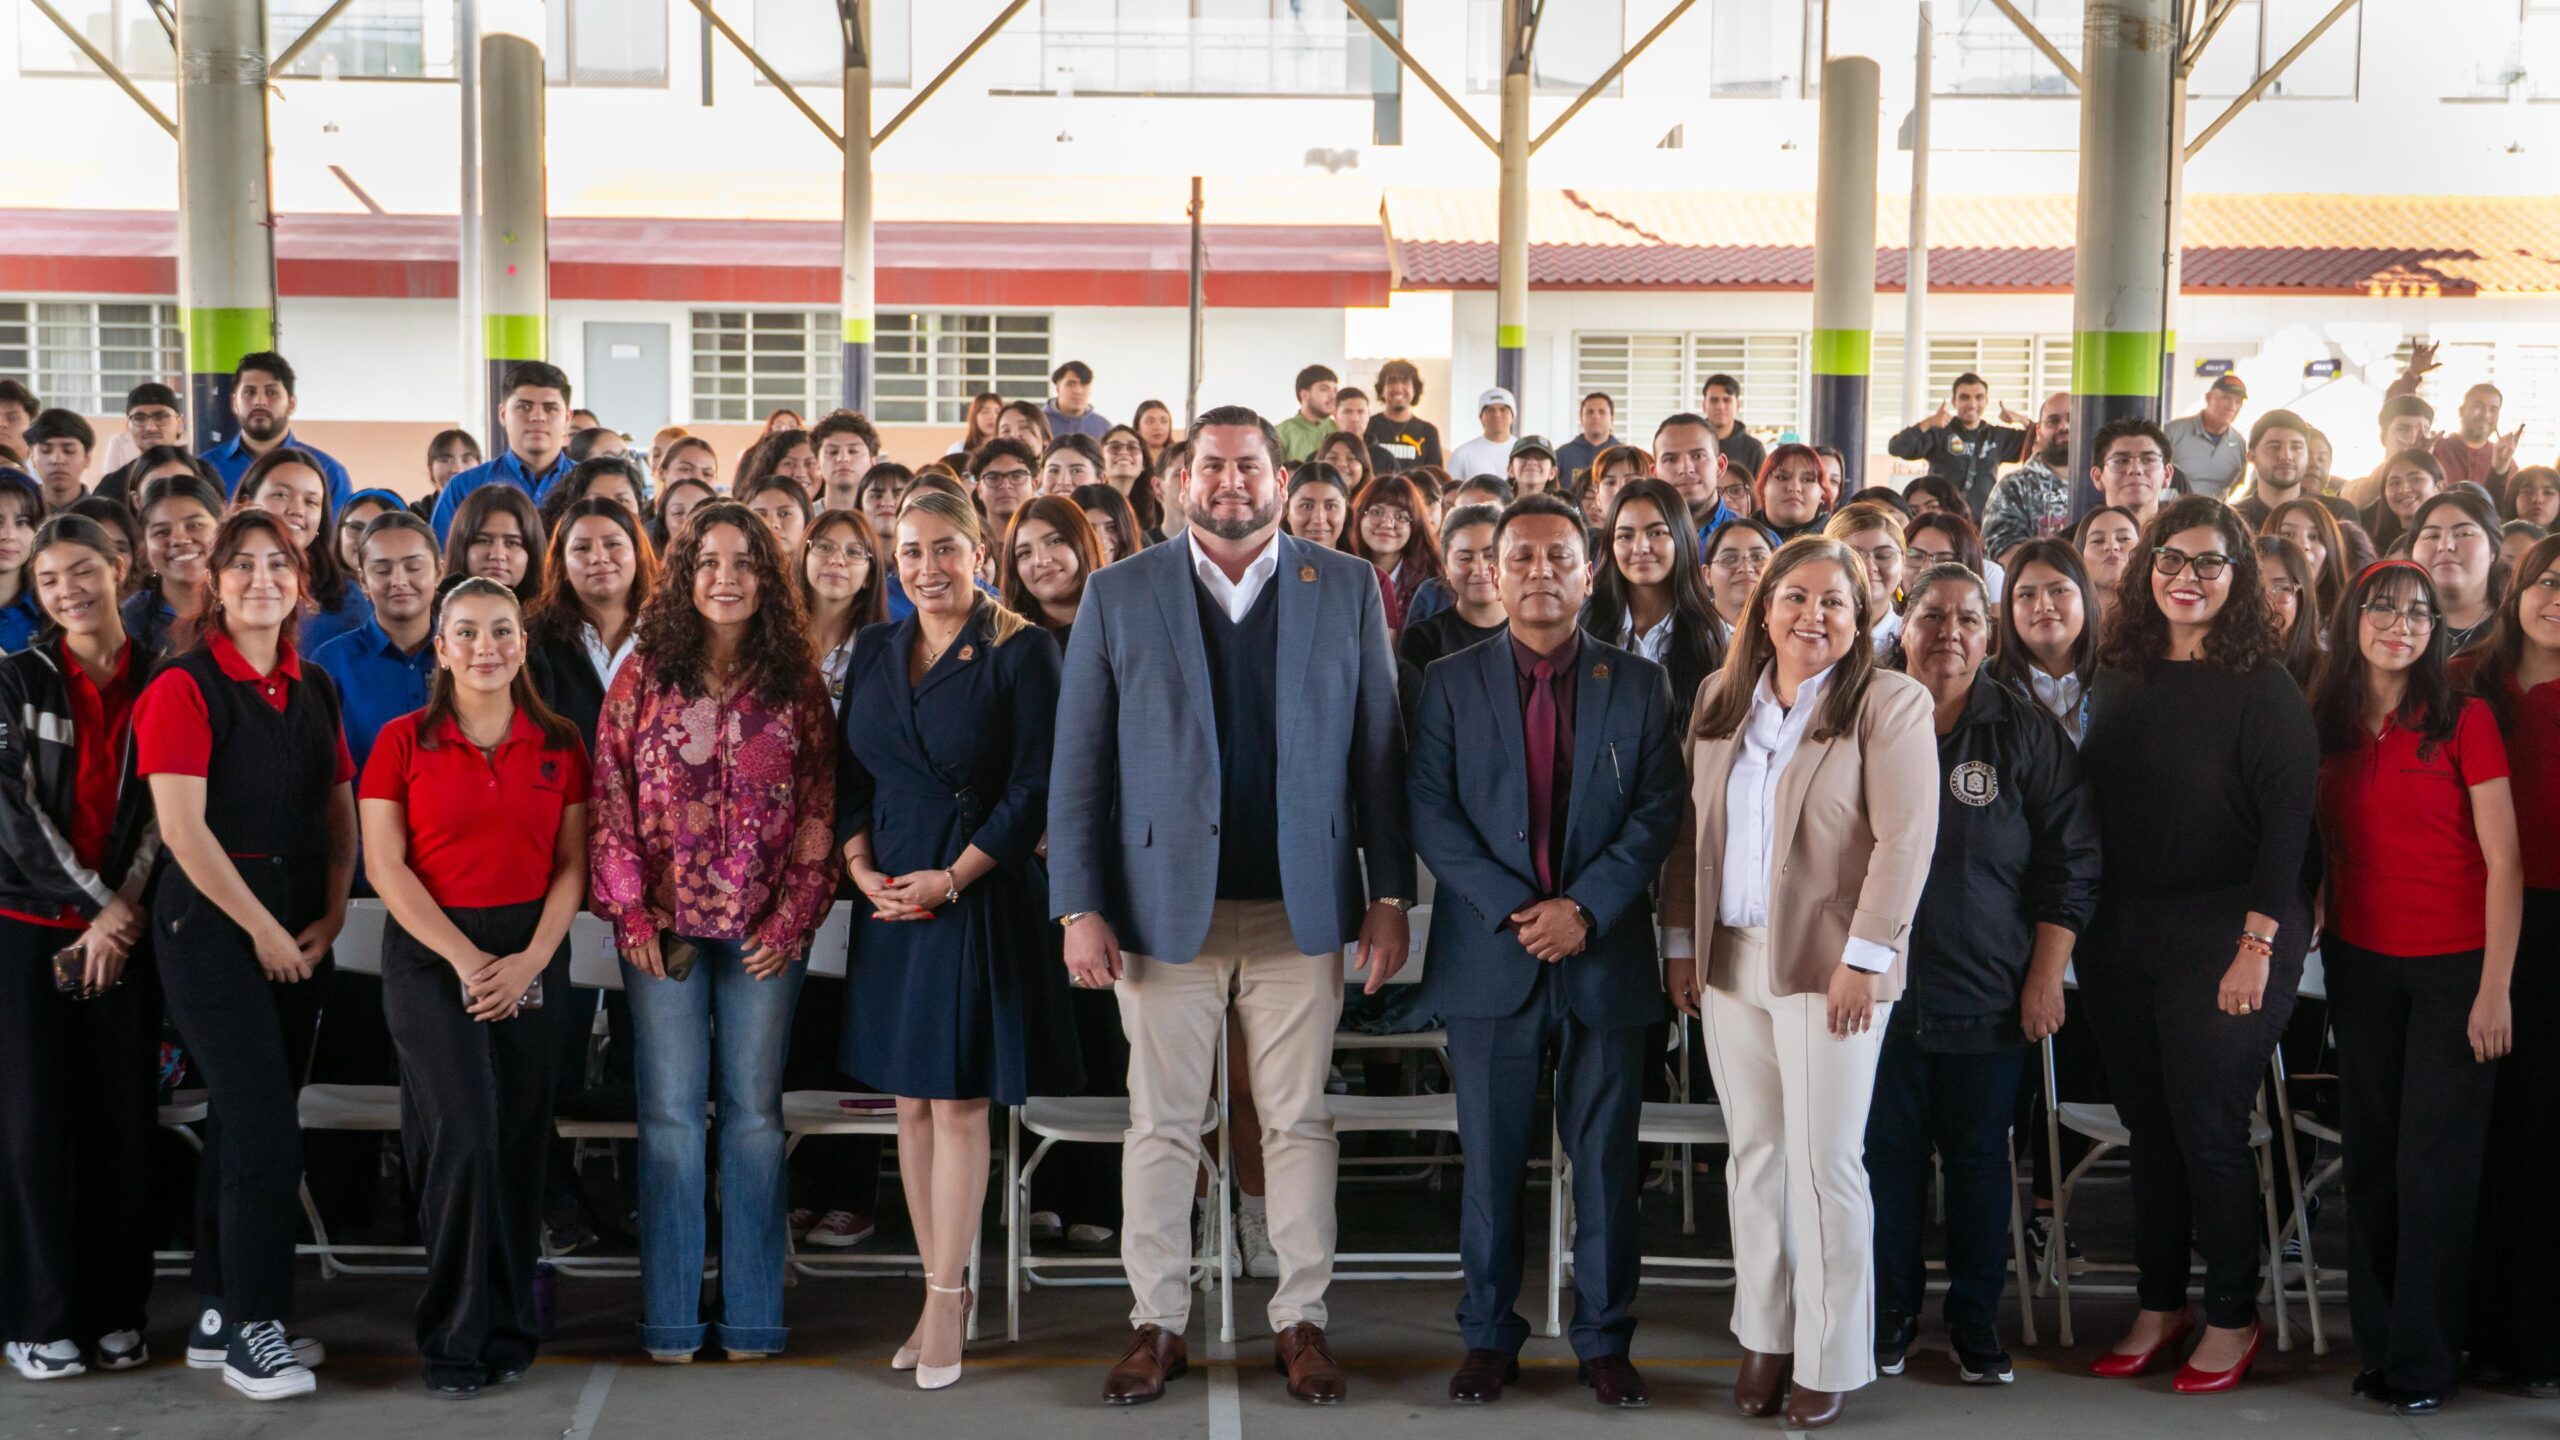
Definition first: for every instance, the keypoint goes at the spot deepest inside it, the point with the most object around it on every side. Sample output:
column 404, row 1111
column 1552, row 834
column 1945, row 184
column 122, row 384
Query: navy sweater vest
column 1243, row 658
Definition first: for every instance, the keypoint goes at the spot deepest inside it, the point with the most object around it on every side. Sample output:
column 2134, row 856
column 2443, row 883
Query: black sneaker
column 209, row 1344
column 261, row 1363
column 1979, row 1358
column 2369, row 1385
column 1894, row 1334
column 2040, row 1236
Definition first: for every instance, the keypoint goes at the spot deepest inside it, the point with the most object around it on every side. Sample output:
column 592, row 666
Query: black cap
column 151, row 392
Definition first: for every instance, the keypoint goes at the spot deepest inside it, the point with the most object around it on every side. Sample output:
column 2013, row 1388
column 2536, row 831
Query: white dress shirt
column 1236, row 597
column 835, row 664
column 1653, row 644
column 1888, row 628
column 608, row 663
column 2062, row 694
column 1763, row 746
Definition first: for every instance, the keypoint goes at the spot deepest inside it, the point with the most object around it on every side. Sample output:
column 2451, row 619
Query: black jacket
column 39, row 769
column 566, row 680
column 1696, row 652
column 2017, row 847
column 1969, row 459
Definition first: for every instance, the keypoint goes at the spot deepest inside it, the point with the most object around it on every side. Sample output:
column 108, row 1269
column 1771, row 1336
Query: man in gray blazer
column 1226, row 812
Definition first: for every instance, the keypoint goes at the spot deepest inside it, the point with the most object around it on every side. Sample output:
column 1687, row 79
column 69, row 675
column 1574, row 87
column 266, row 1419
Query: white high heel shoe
column 938, row 1377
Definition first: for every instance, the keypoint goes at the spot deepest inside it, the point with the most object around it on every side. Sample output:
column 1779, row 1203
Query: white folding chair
column 185, row 1111
column 362, row 1109
column 2289, row 1123
column 594, row 965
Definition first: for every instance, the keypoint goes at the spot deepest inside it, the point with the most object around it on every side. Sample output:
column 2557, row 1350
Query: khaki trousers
column 1795, row 1106
column 1288, row 1004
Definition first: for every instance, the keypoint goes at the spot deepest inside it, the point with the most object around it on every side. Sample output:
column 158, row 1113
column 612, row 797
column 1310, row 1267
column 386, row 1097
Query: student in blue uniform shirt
column 263, row 400
column 20, row 508
column 179, row 516
column 287, row 485
column 535, row 458
column 384, row 666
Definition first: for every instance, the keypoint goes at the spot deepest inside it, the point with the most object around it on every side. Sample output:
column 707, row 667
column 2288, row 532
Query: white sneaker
column 1090, row 1238
column 210, row 1343
column 50, row 1360
column 1204, row 1246
column 123, row 1350
column 1253, row 1243
column 261, row 1364
column 1045, row 1225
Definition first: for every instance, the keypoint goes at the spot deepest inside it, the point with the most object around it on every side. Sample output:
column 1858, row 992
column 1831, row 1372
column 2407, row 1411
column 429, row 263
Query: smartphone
column 71, row 970
column 532, row 997
column 678, row 956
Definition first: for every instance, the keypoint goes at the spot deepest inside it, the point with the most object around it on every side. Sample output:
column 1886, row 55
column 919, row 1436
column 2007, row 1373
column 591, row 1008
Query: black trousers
column 1499, row 1066
column 231, row 1017
column 1959, row 1106
column 2515, row 1327
column 81, row 1086
column 2185, row 1078
column 475, row 1122
column 2417, row 1122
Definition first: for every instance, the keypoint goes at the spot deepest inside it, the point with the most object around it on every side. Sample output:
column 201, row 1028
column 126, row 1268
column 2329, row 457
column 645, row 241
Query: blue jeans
column 677, row 1068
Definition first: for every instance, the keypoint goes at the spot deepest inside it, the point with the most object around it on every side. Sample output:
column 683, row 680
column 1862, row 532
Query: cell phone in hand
column 71, row 971
column 678, row 956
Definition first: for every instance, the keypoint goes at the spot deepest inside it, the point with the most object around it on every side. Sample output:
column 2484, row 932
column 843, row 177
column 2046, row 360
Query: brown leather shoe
column 1812, row 1409
column 1762, row 1386
column 1482, row 1375
column 1614, row 1381
column 1301, row 1353
column 1156, row 1357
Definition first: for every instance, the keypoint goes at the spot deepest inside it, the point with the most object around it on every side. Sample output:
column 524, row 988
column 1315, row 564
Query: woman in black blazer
column 597, row 575
column 1647, row 592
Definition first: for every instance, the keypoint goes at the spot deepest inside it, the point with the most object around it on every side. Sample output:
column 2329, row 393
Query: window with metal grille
column 126, row 31
column 84, row 355
column 605, row 42
column 1195, row 47
column 369, row 40
column 2258, row 33
column 804, row 40
column 748, row 363
column 1652, row 375
column 1769, row 51
column 930, row 362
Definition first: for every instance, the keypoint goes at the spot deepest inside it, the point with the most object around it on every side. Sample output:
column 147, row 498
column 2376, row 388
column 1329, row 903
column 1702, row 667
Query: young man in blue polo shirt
column 263, row 400
column 382, row 667
column 535, row 416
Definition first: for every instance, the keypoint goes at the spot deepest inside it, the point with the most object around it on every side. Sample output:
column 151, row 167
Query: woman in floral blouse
column 714, row 815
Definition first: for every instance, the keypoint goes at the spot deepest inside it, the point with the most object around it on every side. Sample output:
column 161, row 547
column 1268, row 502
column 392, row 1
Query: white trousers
column 1795, row 1105
column 1288, row 1004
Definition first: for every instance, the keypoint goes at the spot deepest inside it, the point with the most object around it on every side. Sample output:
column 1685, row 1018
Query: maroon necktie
column 1539, row 726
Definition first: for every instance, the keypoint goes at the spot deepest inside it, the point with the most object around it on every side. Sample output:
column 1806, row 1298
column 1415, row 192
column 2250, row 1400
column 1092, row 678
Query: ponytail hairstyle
column 194, row 630
column 557, row 733
column 1002, row 624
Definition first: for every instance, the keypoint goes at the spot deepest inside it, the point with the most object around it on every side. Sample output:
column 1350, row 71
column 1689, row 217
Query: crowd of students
column 1117, row 738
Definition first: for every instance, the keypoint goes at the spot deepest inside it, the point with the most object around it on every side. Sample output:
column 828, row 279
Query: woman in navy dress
column 954, row 994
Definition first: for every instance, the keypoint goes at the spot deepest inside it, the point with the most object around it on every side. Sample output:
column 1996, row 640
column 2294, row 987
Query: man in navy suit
column 1226, row 801
column 1545, row 835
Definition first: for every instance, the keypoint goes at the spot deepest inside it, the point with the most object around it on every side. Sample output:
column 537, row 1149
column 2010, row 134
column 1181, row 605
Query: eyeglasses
column 2207, row 566
column 2383, row 615
column 1923, row 559
column 1387, row 515
column 1734, row 492
column 2126, row 464
column 1733, row 562
column 1004, row 477
column 830, row 550
column 1123, row 447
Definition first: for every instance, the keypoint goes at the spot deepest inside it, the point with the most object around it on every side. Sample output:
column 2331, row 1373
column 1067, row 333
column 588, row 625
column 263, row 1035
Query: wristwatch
column 1072, row 917
column 1402, row 905
column 1590, row 922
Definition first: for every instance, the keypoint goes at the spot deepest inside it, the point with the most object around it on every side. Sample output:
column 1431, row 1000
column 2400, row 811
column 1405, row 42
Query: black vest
column 1243, row 682
column 266, row 790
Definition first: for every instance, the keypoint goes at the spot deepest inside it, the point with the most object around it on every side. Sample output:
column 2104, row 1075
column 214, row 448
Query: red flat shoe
column 2192, row 1381
column 2115, row 1366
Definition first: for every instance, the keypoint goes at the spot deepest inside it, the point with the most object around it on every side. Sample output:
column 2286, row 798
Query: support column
column 515, row 248
column 858, row 294
column 1511, row 301
column 2128, row 159
column 1844, row 261
column 226, row 247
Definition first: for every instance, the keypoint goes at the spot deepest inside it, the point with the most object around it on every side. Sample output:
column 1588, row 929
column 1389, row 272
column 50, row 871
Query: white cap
column 1496, row 396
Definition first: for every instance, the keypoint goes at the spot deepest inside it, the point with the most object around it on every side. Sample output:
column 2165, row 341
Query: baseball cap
column 1532, row 445
column 2230, row 383
column 1497, row 396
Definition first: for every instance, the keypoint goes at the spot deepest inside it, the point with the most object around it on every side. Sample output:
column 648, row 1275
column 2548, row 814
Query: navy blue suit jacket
column 1468, row 780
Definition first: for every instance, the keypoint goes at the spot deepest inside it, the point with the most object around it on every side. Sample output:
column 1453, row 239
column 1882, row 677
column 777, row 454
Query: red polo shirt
column 101, row 717
column 2407, row 876
column 482, row 832
column 2534, row 752
column 172, row 733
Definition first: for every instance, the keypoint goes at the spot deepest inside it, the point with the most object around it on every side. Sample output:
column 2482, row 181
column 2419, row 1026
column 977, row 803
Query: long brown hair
column 871, row 602
column 557, row 733
column 193, row 630
column 775, row 663
column 1060, row 513
column 1725, row 702
column 559, row 612
column 2489, row 667
column 1422, row 549
column 2331, row 584
column 325, row 581
column 2243, row 633
column 472, row 517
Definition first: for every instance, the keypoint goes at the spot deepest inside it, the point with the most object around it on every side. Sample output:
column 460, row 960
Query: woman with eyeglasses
column 1649, row 594
column 2299, row 626
column 2455, row 536
column 2314, row 531
column 2424, row 900
column 2514, row 1329
column 1737, row 552
column 1873, row 530
column 1388, row 530
column 1946, row 537
column 2205, row 759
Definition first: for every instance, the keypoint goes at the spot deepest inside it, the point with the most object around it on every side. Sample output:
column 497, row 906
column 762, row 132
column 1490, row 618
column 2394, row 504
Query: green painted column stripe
column 1843, row 352
column 218, row 337
column 513, row 337
column 1510, row 337
column 2116, row 362
column 857, row 329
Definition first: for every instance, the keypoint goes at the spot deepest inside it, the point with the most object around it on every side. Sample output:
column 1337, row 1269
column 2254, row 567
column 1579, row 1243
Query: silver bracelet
column 952, row 881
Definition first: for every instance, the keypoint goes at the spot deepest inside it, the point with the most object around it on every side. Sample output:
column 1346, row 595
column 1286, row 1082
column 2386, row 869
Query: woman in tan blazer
column 1813, row 789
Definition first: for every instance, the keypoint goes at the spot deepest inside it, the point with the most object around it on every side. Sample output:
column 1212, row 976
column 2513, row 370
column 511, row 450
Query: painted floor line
column 1226, row 1407
column 582, row 1421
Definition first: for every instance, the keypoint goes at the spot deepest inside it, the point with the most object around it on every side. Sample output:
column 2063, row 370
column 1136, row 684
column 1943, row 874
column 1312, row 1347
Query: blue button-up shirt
column 507, row 469
column 377, row 684
column 21, row 618
column 231, row 460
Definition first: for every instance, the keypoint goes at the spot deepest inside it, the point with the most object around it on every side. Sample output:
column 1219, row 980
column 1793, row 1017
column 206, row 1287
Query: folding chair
column 2289, row 1123
column 364, row 1109
column 1429, row 1112
column 185, row 1111
column 594, row 965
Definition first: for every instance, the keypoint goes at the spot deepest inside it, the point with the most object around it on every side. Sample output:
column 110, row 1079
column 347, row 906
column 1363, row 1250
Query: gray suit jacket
column 1138, row 841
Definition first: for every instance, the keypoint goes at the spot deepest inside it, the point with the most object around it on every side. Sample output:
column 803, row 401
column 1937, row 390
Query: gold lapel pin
column 1600, row 672
column 1307, row 573
column 968, row 652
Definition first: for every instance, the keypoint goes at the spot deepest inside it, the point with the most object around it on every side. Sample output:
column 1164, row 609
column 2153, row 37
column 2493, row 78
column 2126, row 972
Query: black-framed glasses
column 2208, row 566
column 2419, row 616
column 1388, row 515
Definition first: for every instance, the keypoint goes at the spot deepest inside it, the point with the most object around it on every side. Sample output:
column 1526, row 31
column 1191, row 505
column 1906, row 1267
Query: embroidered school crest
column 1975, row 783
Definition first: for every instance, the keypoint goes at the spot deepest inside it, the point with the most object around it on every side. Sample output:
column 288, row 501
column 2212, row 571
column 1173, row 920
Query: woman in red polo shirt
column 475, row 831
column 264, row 852
column 2515, row 1329
column 76, row 1043
column 2424, row 896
